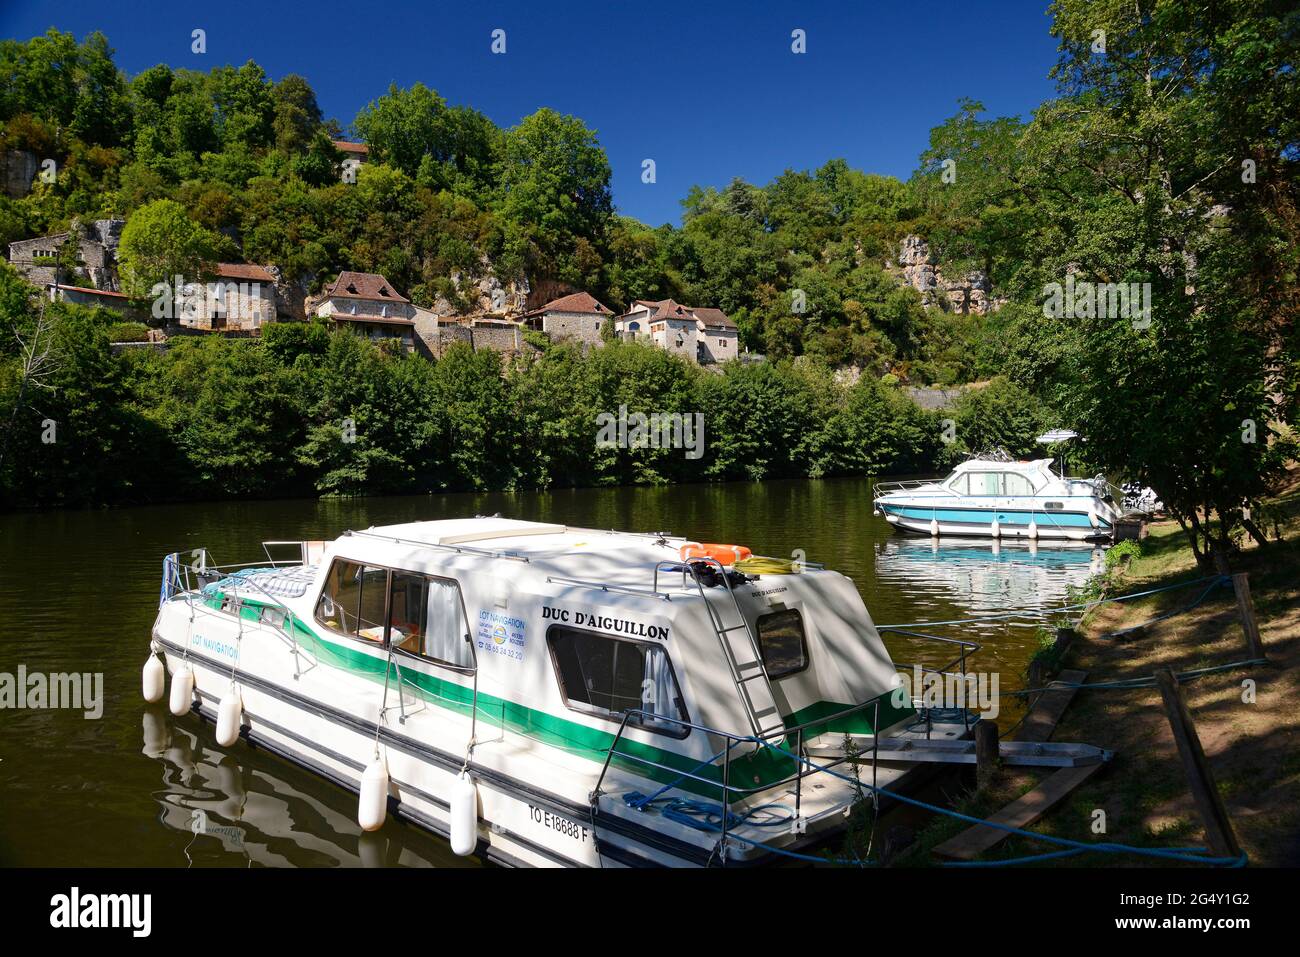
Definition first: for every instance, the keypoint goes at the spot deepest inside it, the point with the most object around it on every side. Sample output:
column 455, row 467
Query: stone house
column 367, row 303
column 95, row 256
column 702, row 335
column 357, row 151
column 355, row 155
column 578, row 316
column 239, row 297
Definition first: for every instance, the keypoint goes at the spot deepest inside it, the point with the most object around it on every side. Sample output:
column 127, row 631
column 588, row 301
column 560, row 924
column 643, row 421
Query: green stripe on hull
column 755, row 771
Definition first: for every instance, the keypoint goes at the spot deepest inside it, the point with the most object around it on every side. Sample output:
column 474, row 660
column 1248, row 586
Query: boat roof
column 627, row 558
column 994, row 465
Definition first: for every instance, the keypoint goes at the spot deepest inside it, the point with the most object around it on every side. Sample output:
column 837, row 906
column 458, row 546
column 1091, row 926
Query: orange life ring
column 722, row 554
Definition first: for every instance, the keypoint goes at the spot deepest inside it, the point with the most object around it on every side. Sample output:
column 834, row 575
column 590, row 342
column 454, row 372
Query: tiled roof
column 347, row 147
column 577, row 302
column 364, row 285
column 714, row 319
column 671, row 309
column 243, row 271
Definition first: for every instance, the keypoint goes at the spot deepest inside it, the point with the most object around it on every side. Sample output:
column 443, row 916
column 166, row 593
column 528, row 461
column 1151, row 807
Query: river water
column 137, row 787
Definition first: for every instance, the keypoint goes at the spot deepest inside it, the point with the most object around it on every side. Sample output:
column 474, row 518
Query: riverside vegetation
column 1168, row 160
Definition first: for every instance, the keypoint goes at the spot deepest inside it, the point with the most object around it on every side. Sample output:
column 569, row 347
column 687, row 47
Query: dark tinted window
column 609, row 676
column 781, row 641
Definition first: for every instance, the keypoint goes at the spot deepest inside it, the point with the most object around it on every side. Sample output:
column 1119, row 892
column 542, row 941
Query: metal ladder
column 745, row 662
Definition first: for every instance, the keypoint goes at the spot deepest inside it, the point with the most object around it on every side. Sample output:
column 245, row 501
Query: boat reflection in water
column 248, row 812
column 985, row 577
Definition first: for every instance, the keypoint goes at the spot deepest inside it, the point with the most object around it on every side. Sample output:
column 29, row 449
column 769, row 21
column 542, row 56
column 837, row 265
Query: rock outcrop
column 487, row 294
column 970, row 294
column 17, row 170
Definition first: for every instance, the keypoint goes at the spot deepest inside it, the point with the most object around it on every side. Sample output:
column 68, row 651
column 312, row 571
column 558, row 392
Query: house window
column 608, row 677
column 782, row 643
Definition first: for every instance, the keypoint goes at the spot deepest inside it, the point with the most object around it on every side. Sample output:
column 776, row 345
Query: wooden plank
column 1050, row 705
column 1021, row 812
column 1246, row 608
column 1218, row 826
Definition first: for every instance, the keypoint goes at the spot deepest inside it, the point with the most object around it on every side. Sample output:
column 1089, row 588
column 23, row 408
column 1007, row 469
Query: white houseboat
column 1003, row 499
column 548, row 695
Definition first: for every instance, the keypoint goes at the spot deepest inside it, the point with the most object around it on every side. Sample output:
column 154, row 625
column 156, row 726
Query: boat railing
column 459, row 549
column 731, row 792
column 966, row 647
column 188, row 580
column 910, row 485
column 793, row 736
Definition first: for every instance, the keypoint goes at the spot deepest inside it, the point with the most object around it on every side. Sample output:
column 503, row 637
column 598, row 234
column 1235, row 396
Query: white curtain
column 444, row 635
column 659, row 691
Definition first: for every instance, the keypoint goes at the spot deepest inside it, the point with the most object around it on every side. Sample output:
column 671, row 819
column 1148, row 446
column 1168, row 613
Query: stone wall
column 506, row 339
column 580, row 326
column 718, row 345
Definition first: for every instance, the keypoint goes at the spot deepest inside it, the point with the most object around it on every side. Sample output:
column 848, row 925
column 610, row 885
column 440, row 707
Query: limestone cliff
column 916, row 266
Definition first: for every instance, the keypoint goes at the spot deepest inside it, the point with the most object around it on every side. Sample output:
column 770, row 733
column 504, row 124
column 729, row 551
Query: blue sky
column 708, row 90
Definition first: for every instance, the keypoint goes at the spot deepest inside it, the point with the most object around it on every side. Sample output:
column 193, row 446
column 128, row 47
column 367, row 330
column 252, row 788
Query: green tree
column 160, row 242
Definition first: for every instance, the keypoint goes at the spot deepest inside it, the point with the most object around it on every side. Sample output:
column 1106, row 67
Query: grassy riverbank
column 1253, row 748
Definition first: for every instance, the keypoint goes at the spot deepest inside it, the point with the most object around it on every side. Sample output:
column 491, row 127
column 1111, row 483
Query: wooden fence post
column 1218, row 827
column 986, row 751
column 1241, row 585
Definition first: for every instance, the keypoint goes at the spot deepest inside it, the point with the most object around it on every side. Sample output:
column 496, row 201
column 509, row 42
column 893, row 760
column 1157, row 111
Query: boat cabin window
column 425, row 618
column 352, row 601
column 782, row 643
column 607, row 677
column 985, row 483
column 992, row 483
column 1013, row 484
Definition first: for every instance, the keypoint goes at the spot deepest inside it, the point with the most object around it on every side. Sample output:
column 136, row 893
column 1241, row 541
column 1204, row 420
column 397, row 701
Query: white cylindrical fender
column 230, row 715
column 372, row 806
column 182, row 698
column 995, row 530
column 1033, row 529
column 934, row 527
column 464, row 815
column 153, row 678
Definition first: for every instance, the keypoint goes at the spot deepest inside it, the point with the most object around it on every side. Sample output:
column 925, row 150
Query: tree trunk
column 1255, row 532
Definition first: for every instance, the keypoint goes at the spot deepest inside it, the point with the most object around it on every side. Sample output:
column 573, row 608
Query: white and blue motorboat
column 992, row 496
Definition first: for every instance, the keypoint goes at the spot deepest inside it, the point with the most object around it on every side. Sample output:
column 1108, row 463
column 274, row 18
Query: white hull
column 524, row 821
column 1005, row 532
